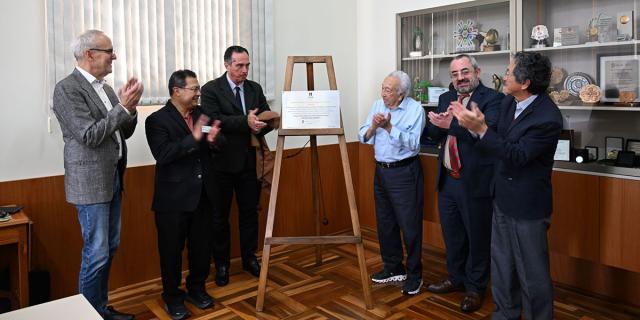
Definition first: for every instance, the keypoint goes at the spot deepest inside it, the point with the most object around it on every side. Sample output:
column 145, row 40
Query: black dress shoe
column 222, row 275
column 200, row 299
column 444, row 286
column 178, row 311
column 113, row 314
column 251, row 266
column 472, row 301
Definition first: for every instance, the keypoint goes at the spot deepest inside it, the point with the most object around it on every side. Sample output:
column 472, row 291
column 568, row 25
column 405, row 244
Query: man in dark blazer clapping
column 524, row 143
column 464, row 200
column 236, row 102
column 181, row 140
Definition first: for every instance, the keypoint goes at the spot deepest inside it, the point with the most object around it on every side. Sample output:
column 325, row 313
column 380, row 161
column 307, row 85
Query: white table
column 74, row 307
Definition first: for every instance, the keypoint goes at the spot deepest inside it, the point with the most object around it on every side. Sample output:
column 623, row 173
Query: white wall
column 29, row 150
column 377, row 43
column 312, row 28
column 359, row 34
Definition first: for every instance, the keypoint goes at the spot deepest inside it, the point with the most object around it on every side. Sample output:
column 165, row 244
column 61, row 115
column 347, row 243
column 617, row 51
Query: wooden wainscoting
column 594, row 227
column 56, row 240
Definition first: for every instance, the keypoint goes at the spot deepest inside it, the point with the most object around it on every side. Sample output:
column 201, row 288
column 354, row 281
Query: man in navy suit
column 524, row 143
column 464, row 200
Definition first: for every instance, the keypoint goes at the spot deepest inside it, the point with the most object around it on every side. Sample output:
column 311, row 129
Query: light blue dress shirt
column 520, row 106
column 407, row 122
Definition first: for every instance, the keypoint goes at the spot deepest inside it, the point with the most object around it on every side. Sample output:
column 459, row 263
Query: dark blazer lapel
column 225, row 88
column 175, row 115
column 477, row 97
column 249, row 96
column 525, row 112
column 510, row 114
column 91, row 92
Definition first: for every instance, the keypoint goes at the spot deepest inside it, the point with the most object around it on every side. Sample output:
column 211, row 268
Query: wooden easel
column 318, row 240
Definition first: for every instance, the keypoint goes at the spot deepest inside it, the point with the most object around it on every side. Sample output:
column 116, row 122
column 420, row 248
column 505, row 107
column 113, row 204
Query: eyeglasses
column 108, row 51
column 463, row 72
column 194, row 89
column 387, row 90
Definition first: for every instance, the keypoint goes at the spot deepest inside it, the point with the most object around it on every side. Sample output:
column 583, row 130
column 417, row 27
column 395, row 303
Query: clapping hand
column 213, row 133
column 441, row 120
column 381, row 120
column 254, row 124
column 471, row 119
column 197, row 128
column 130, row 94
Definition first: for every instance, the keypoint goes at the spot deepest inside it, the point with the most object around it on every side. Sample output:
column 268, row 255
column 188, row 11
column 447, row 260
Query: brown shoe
column 444, row 286
column 472, row 301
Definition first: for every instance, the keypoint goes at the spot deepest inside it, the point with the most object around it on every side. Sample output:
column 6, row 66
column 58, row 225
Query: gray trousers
column 520, row 276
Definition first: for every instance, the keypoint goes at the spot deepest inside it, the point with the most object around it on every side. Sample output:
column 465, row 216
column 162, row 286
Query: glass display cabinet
column 592, row 44
column 428, row 40
column 595, row 80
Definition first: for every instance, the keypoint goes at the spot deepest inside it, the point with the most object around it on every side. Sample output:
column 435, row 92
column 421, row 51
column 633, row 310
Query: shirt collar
column 233, row 85
column 521, row 105
column 90, row 77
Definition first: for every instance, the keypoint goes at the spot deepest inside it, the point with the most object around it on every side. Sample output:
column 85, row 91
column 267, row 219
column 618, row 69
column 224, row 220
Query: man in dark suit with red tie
column 181, row 140
column 524, row 142
column 464, row 200
column 236, row 102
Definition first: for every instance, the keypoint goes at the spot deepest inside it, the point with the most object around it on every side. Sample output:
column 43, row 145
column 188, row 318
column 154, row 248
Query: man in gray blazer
column 95, row 123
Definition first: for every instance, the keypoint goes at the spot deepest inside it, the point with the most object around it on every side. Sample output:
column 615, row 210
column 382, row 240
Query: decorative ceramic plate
column 576, row 81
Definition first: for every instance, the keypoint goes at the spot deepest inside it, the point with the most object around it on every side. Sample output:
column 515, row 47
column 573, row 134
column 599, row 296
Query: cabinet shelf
column 588, row 46
column 603, row 108
column 452, row 55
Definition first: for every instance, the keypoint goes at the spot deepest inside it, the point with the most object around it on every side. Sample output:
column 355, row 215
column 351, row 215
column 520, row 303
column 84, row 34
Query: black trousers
column 466, row 228
column 520, row 275
column 399, row 199
column 247, row 190
column 173, row 229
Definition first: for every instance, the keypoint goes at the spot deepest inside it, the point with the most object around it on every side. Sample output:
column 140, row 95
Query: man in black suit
column 184, row 191
column 464, row 201
column 524, row 143
column 236, row 101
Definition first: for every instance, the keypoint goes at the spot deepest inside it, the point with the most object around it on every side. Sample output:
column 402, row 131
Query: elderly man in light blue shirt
column 393, row 127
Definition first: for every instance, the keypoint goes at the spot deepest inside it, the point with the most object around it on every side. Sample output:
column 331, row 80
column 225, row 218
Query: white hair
column 83, row 42
column 405, row 82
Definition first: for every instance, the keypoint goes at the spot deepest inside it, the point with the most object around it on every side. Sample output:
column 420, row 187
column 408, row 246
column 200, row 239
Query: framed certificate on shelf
column 619, row 76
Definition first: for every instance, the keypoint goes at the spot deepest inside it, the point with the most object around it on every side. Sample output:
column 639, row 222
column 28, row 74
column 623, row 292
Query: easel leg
column 262, row 283
column 315, row 191
column 355, row 222
column 268, row 234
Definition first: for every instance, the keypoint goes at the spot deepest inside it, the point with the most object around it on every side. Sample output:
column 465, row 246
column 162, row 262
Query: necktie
column 238, row 99
column 454, row 156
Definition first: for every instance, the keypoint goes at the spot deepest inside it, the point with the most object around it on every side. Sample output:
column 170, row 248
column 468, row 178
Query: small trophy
column 497, row 82
column 625, row 26
column 491, row 39
column 539, row 34
column 416, row 43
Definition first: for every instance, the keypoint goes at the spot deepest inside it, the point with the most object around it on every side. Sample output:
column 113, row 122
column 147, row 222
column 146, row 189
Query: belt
column 396, row 164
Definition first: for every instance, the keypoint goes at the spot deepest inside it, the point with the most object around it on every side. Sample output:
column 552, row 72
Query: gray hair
column 84, row 42
column 473, row 61
column 405, row 82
